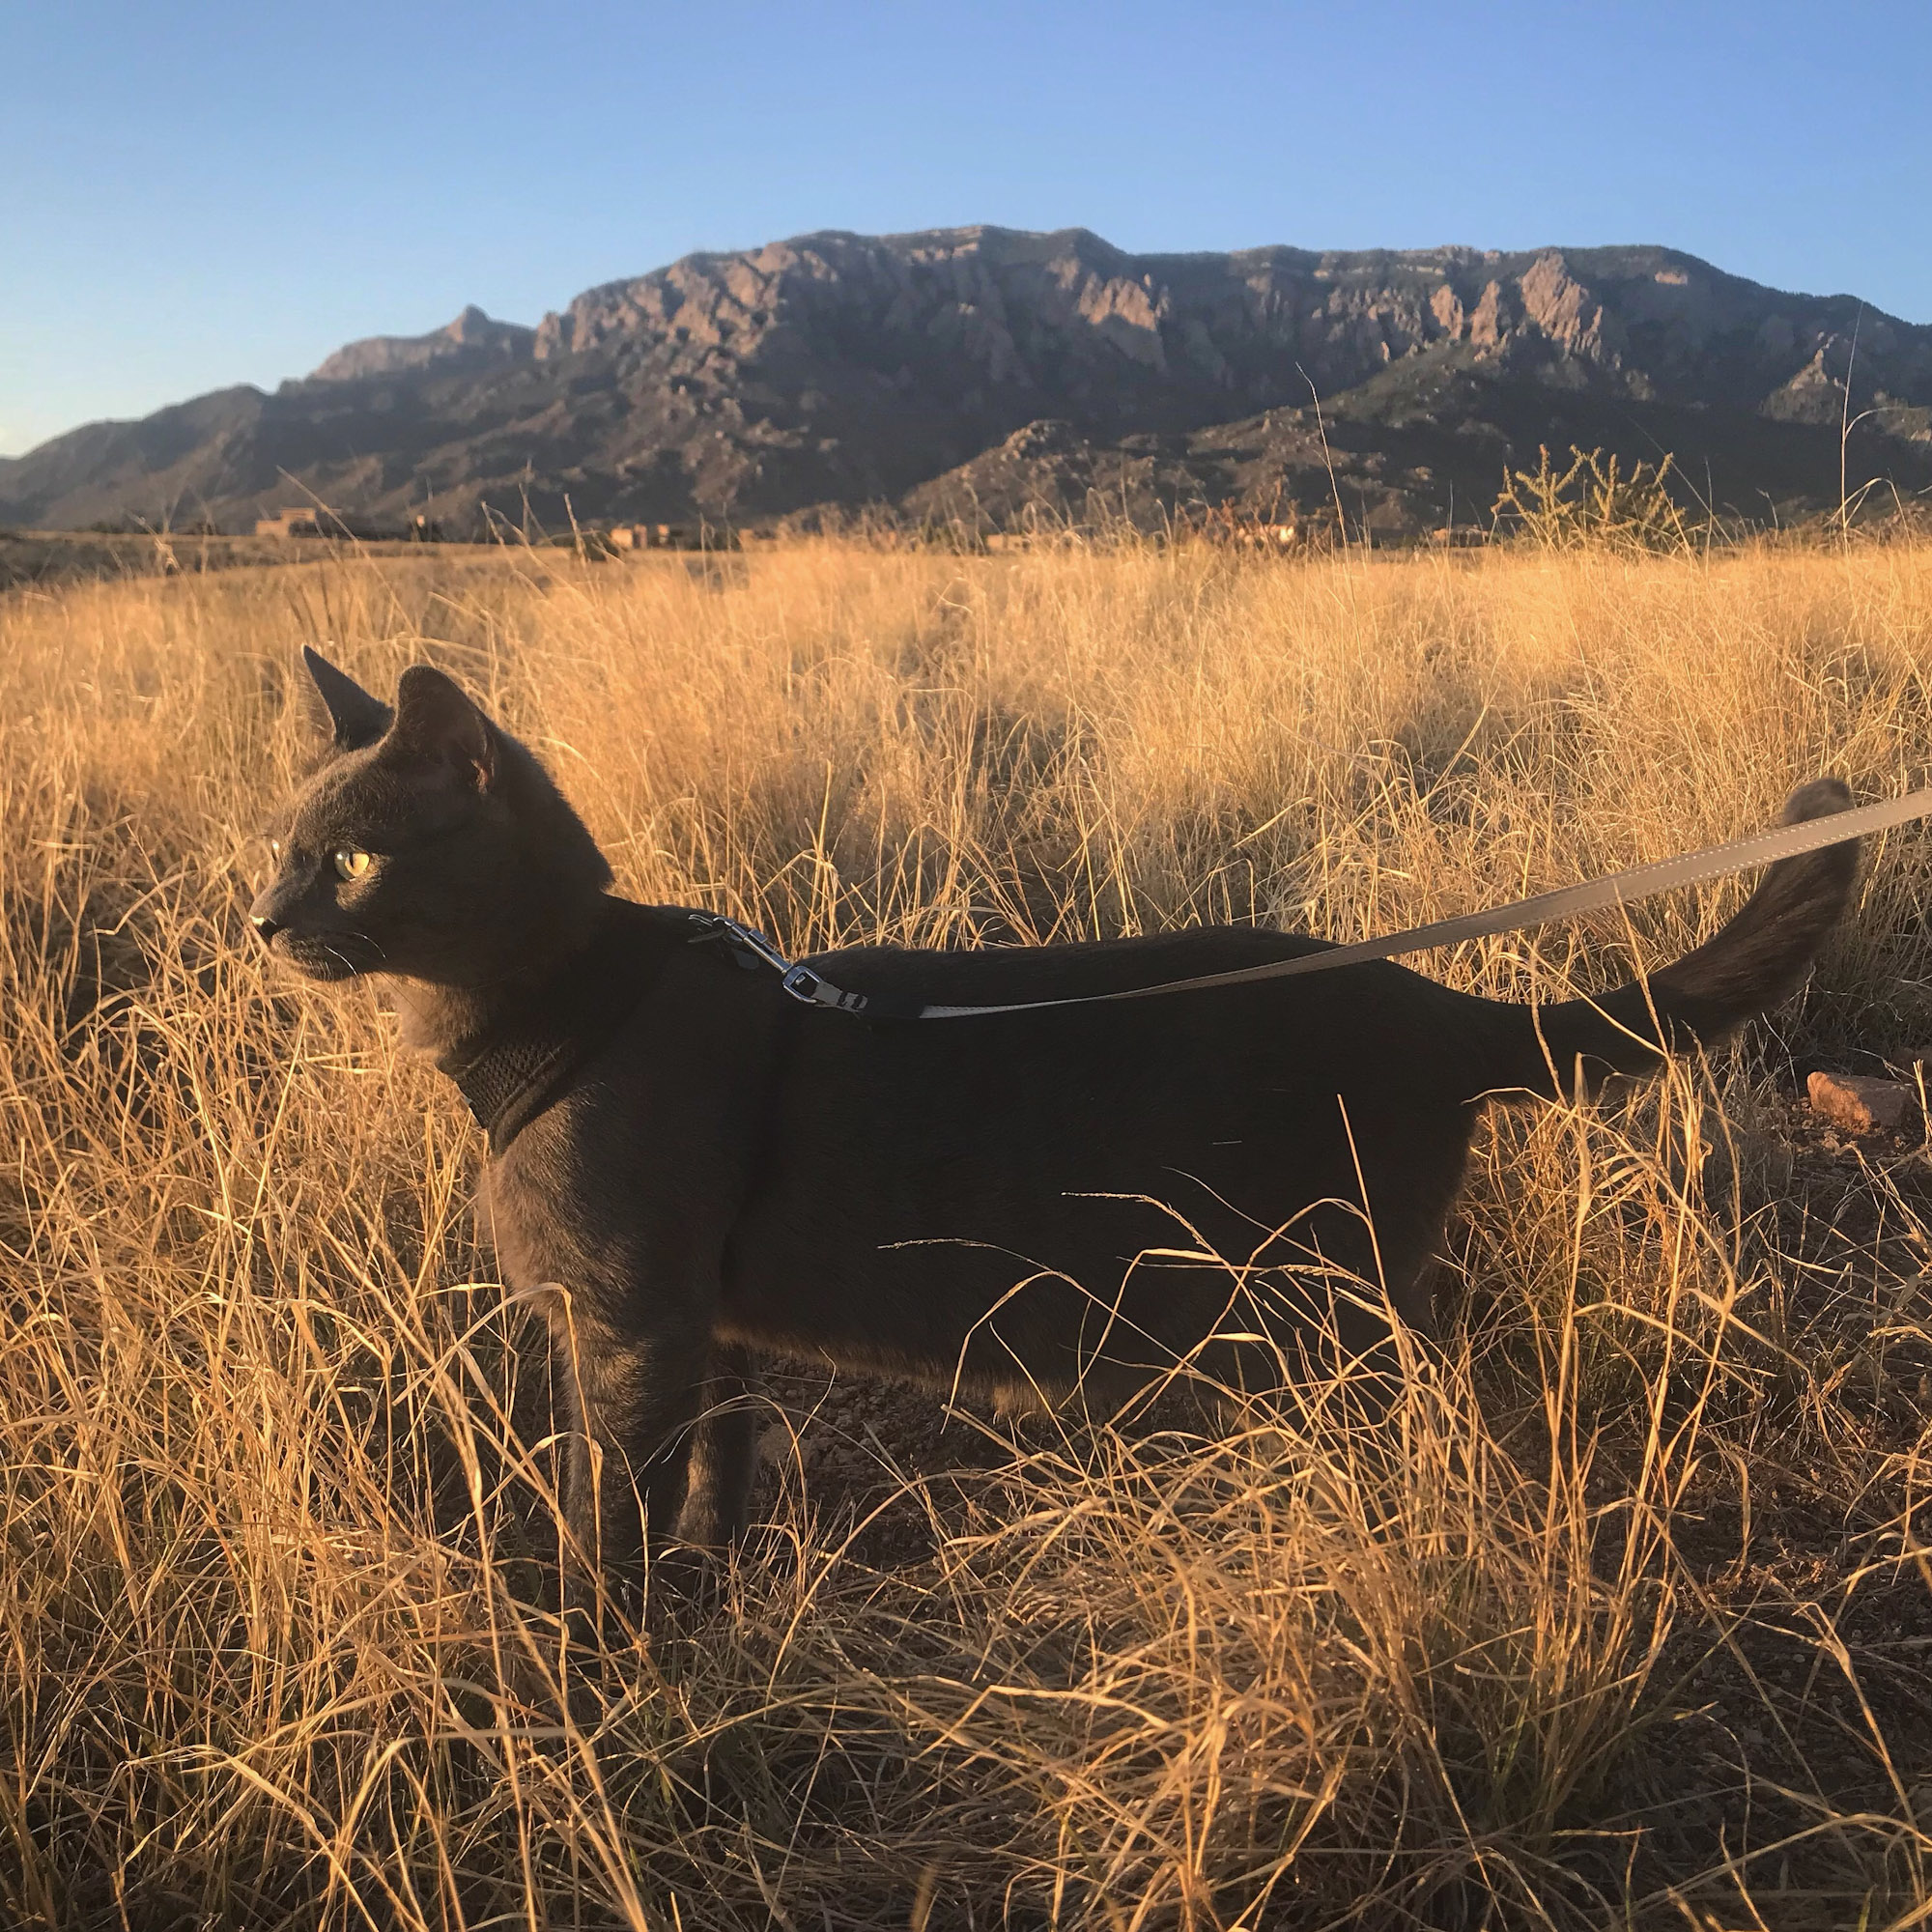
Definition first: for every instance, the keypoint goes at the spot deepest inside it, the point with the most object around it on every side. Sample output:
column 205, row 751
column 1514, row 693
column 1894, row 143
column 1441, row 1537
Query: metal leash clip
column 748, row 948
column 751, row 950
column 803, row 984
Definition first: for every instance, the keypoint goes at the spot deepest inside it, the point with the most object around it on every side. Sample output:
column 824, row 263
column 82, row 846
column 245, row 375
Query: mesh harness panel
column 523, row 1062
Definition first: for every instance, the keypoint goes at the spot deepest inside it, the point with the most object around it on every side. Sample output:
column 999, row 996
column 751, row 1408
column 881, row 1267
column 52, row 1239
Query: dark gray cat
column 687, row 1164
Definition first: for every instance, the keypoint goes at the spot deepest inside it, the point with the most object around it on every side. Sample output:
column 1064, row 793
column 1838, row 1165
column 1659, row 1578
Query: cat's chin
column 316, row 962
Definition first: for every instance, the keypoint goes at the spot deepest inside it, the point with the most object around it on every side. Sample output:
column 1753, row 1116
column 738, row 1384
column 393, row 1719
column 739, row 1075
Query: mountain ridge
column 473, row 338
column 987, row 372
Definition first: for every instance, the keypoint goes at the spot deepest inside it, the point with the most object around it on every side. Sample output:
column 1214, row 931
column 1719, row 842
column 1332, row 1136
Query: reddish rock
column 1860, row 1104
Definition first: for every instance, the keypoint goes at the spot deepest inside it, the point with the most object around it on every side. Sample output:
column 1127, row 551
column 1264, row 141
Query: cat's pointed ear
column 355, row 716
column 436, row 718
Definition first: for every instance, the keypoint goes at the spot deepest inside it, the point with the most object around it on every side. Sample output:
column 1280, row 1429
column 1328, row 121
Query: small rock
column 1860, row 1103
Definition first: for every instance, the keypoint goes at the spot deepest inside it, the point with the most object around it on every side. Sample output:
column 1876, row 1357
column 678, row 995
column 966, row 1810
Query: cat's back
column 1003, row 975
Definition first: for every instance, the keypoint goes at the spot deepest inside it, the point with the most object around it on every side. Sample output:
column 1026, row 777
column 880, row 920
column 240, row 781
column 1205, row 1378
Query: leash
column 804, row 983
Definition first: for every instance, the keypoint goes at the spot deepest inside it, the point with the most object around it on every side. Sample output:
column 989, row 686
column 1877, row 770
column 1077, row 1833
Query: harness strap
column 511, row 1081
column 521, row 1065
column 1640, row 882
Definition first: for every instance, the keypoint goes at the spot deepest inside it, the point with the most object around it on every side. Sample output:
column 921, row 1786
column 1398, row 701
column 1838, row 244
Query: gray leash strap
column 1640, row 882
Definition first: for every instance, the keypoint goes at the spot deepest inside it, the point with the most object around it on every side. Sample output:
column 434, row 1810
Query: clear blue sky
column 206, row 193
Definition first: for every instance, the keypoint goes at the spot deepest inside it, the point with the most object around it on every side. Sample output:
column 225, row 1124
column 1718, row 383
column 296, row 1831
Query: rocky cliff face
column 473, row 341
column 844, row 369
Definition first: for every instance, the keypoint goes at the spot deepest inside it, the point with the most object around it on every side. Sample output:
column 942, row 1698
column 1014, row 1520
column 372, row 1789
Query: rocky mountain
column 983, row 372
column 473, row 341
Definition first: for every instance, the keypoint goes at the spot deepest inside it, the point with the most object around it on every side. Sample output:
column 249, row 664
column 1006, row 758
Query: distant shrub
column 1592, row 502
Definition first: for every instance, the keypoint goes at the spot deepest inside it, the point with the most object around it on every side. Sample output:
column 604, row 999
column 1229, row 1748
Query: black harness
column 523, row 1062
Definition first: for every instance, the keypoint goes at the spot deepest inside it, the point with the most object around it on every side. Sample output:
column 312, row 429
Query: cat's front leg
column 634, row 1400
column 724, row 1456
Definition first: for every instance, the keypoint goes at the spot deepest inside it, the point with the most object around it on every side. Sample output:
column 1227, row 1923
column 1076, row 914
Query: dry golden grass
column 1624, row 1618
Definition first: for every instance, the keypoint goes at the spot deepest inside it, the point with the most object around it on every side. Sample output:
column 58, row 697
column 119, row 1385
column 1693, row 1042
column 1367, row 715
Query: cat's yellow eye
column 350, row 863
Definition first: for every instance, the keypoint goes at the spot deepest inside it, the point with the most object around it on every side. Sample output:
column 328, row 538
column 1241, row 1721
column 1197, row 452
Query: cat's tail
column 1758, row 958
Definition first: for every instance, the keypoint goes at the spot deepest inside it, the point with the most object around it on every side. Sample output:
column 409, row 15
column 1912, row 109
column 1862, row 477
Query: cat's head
column 430, row 844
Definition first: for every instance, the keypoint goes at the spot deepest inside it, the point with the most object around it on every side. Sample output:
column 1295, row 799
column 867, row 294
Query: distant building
column 671, row 536
column 297, row 523
column 307, row 520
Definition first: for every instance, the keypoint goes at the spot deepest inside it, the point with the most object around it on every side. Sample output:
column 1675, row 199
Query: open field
column 1625, row 1619
column 41, row 561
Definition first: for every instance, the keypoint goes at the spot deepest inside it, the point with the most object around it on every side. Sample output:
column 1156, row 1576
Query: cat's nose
column 262, row 916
